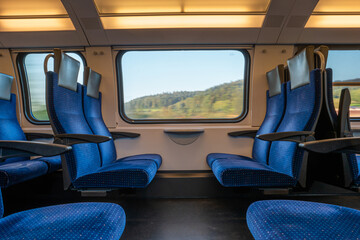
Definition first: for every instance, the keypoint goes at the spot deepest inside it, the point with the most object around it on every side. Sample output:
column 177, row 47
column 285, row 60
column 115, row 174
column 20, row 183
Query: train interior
column 180, row 119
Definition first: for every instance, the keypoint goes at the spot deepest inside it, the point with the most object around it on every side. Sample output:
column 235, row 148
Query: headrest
column 5, row 86
column 92, row 81
column 275, row 77
column 66, row 67
column 325, row 51
column 68, row 72
column 300, row 67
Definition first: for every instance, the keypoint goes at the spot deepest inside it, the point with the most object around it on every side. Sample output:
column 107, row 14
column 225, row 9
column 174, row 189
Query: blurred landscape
column 221, row 101
column 355, row 97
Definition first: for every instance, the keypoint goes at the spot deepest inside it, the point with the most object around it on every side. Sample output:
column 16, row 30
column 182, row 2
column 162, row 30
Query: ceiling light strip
column 183, row 21
column 33, row 25
column 333, row 21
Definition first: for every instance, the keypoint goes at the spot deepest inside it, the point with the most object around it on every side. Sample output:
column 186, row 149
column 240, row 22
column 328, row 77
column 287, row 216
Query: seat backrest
column 9, row 125
column 93, row 115
column 64, row 97
column 1, row 205
column 275, row 106
column 303, row 104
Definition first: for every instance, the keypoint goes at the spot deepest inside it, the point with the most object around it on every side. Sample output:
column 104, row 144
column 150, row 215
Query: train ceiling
column 50, row 23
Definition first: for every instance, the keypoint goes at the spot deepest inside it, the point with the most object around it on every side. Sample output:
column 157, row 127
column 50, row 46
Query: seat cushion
column 286, row 219
column 54, row 163
column 154, row 157
column 68, row 221
column 215, row 156
column 16, row 172
column 249, row 173
column 127, row 174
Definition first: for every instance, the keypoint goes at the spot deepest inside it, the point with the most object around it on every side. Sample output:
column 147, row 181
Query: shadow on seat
column 18, row 169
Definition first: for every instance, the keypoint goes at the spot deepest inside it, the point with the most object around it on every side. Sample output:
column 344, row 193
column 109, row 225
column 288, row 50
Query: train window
column 346, row 74
column 31, row 68
column 183, row 85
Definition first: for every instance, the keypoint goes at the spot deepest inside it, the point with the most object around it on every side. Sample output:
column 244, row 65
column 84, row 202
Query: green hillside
column 222, row 101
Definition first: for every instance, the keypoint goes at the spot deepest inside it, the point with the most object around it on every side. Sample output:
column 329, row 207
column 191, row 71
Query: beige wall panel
column 266, row 57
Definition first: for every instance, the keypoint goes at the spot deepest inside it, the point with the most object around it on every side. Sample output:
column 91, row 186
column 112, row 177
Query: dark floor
column 170, row 218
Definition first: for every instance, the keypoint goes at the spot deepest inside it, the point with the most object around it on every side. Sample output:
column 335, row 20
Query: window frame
column 347, row 84
column 24, row 84
column 120, row 88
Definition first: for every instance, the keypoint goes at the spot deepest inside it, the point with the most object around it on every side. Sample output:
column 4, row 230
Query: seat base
column 17, row 172
column 68, row 221
column 286, row 219
column 238, row 172
column 119, row 174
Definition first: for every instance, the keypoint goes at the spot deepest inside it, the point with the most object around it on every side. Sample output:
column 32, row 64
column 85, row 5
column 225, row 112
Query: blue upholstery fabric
column 93, row 115
column 298, row 220
column 239, row 173
column 212, row 157
column 93, row 165
column 285, row 158
column 354, row 161
column 134, row 174
column 54, row 163
column 68, row 221
column 153, row 157
column 92, row 110
column 9, row 126
column 236, row 170
column 16, row 172
column 302, row 109
column 66, row 113
column 10, row 130
column 275, row 107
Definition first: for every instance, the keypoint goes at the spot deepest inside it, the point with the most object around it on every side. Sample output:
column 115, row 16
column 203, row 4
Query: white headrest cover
column 5, row 86
column 68, row 72
column 92, row 80
column 300, row 67
column 275, row 77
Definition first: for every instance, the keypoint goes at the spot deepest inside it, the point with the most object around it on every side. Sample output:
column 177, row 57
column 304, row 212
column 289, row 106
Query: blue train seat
column 93, row 115
column 68, row 221
column 226, row 164
column 289, row 219
column 87, row 166
column 283, row 166
column 18, row 169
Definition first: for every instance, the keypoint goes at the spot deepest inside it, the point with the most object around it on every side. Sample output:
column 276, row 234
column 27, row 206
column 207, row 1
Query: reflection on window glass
column 346, row 74
column 188, row 84
column 34, row 67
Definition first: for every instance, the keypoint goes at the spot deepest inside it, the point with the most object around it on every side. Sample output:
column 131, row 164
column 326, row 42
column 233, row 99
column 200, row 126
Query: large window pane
column 34, row 69
column 346, row 74
column 182, row 85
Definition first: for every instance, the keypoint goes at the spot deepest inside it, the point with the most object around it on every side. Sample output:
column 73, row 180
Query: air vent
column 297, row 21
column 91, row 23
column 274, row 21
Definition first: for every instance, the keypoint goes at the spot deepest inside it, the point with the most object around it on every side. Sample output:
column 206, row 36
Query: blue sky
column 345, row 64
column 152, row 72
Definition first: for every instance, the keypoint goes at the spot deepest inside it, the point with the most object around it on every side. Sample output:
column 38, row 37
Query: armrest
column 116, row 135
column 9, row 149
column 299, row 136
column 34, row 135
column 342, row 145
column 71, row 139
column 245, row 133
